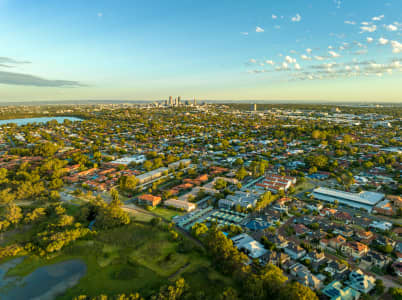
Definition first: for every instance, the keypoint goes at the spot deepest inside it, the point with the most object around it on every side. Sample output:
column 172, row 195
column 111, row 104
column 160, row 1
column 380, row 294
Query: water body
column 45, row 283
column 26, row 121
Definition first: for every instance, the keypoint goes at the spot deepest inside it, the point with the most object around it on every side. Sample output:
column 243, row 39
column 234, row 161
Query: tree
column 396, row 293
column 316, row 134
column 128, row 183
column 238, row 162
column 6, row 196
column 379, row 287
column 147, row 165
column 229, row 294
column 3, row 175
column 172, row 292
column 13, row 214
column 220, row 184
column 241, row 173
column 54, row 195
column 155, row 221
column 199, row 229
column 115, row 198
column 297, row 291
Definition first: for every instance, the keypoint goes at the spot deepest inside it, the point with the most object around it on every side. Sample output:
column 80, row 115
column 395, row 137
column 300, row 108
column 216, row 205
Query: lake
column 26, row 121
column 45, row 283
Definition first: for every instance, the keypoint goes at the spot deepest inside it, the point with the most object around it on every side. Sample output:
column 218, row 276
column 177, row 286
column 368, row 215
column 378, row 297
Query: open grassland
column 134, row 258
column 166, row 213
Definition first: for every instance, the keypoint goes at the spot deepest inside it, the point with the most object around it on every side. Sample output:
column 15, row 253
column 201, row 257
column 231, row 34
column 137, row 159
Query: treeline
column 53, row 228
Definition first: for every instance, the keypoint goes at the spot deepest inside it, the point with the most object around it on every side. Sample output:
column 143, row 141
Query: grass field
column 134, row 258
column 303, row 186
column 166, row 213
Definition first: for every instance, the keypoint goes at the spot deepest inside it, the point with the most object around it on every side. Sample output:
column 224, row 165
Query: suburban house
column 336, row 291
column 294, row 251
column 375, row 259
column 336, row 269
column 148, row 199
column 275, row 258
column 304, row 276
column 250, row 246
column 334, row 243
column 355, row 249
column 360, row 281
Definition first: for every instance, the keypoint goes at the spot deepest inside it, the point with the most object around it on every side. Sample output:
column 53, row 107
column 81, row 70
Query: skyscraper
column 178, row 101
column 194, row 102
column 170, row 100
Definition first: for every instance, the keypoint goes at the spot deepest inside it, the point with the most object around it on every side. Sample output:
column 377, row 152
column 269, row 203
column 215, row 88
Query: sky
column 307, row 50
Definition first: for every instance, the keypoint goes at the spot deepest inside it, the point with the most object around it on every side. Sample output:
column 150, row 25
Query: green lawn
column 166, row 213
column 303, row 186
column 134, row 258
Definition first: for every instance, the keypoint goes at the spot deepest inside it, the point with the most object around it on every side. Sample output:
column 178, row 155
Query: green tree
column 241, row 173
column 297, row 291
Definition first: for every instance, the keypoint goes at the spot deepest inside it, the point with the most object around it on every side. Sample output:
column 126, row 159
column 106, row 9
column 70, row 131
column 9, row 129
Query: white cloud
column 379, row 18
column 370, row 40
column 244, row 33
column 270, row 62
column 308, row 50
column 396, row 47
column 334, row 54
column 100, row 14
column 361, row 52
column 383, row 41
column 285, row 65
column 365, row 23
column 305, row 57
column 350, row 22
column 277, row 27
column 391, row 27
column 290, row 60
column 319, row 58
column 297, row 67
column 371, row 28
column 259, row 29
column 296, row 18
column 274, row 17
column 252, row 61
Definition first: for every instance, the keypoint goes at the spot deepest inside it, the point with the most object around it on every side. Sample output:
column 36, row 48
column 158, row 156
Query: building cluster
column 313, row 190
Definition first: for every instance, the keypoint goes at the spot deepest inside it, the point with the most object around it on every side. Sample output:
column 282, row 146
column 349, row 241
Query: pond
column 38, row 120
column 45, row 283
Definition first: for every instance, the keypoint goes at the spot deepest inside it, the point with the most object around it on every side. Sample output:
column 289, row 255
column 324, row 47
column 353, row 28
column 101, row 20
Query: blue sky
column 266, row 50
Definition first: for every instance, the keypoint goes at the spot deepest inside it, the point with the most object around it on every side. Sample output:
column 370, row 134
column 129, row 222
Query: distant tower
column 254, row 107
column 170, row 100
column 194, row 102
column 178, row 101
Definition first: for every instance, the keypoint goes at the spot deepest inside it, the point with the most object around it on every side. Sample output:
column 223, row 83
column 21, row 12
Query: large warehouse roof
column 366, row 198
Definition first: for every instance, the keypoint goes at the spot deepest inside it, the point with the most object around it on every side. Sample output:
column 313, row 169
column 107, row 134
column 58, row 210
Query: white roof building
column 245, row 242
column 366, row 200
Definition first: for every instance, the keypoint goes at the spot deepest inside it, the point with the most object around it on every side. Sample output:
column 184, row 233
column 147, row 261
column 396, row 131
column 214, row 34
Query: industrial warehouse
column 365, row 200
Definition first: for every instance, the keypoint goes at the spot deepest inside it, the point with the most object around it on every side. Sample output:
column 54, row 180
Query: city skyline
column 289, row 51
